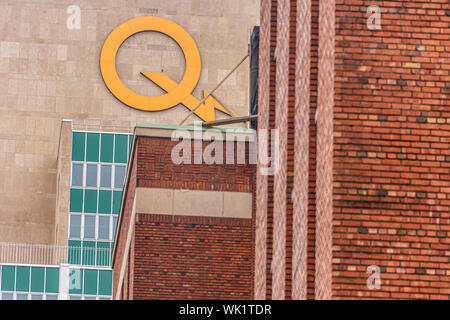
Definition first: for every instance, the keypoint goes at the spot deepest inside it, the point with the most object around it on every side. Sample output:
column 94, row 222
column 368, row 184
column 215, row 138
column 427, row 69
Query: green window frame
column 78, row 146
column 37, row 279
column 52, row 280
column 76, row 200
column 8, row 278
column 90, row 282
column 104, row 201
column 23, row 279
column 107, row 146
column 92, row 148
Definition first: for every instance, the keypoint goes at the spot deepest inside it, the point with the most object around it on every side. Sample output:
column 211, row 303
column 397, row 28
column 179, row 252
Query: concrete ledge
column 194, row 203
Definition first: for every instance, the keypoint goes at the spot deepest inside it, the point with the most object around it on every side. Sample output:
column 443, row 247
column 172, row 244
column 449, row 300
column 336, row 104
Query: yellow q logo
column 176, row 92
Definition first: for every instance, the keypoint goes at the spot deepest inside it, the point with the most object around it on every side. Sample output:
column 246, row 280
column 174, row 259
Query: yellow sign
column 176, row 92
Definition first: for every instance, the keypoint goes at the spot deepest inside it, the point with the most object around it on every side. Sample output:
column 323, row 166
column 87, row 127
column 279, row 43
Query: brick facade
column 185, row 257
column 391, row 151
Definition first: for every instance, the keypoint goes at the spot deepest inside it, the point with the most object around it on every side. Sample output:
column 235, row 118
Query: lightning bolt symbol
column 206, row 111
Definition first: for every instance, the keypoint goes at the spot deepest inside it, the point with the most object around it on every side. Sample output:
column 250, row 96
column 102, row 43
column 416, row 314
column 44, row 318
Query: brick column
column 324, row 117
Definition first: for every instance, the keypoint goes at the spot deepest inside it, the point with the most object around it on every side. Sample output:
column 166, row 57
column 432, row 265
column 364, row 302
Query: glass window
column 23, row 279
column 77, row 175
column 51, row 297
column 90, row 298
column 36, row 297
column 114, row 226
column 89, row 253
column 76, row 200
column 75, row 226
column 104, row 298
column 119, row 176
column 120, row 148
column 8, row 278
column 106, row 149
column 90, row 282
column 103, row 228
column 89, row 227
column 105, row 282
column 103, row 253
column 74, row 252
column 37, row 279
column 21, row 296
column 105, row 176
column 90, row 201
column 104, row 201
column 75, row 281
column 52, row 280
column 117, row 199
column 91, row 176
column 93, row 143
column 7, row 296
column 74, row 297
column 78, row 143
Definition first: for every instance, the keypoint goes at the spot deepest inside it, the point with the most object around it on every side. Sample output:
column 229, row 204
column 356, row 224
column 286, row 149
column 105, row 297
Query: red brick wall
column 392, row 150
column 290, row 160
column 188, row 257
column 193, row 258
column 122, row 231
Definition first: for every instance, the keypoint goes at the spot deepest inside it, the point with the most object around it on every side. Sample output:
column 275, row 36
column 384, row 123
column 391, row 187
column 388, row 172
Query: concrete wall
column 49, row 72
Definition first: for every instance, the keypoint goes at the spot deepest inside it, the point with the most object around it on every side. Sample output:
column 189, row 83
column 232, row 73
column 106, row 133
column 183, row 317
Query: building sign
column 176, row 93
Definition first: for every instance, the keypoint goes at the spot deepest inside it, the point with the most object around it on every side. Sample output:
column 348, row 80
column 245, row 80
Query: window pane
column 21, row 296
column 8, row 278
column 75, row 298
column 90, row 201
column 103, row 228
column 114, row 226
column 117, row 199
column 105, row 176
column 76, row 200
column 37, row 279
column 77, row 175
column 7, row 296
column 36, row 297
column 103, row 253
column 89, row 227
column 93, row 142
column 106, row 152
column 51, row 297
column 90, row 298
column 90, row 282
column 74, row 252
column 105, row 282
column 89, row 253
column 52, row 280
column 104, row 201
column 120, row 149
column 119, row 177
column 75, row 226
column 78, row 143
column 75, row 281
column 91, row 175
column 23, row 279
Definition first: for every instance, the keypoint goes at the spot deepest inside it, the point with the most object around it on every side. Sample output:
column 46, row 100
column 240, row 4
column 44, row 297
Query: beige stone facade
column 49, row 72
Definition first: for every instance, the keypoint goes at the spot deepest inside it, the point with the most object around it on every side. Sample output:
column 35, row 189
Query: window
column 105, row 176
column 75, row 226
column 119, row 177
column 22, row 296
column 91, row 176
column 7, row 296
column 89, row 227
column 103, row 228
column 77, row 174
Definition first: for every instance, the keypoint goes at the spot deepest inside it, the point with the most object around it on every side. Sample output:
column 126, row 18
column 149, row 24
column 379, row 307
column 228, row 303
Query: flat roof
column 193, row 128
